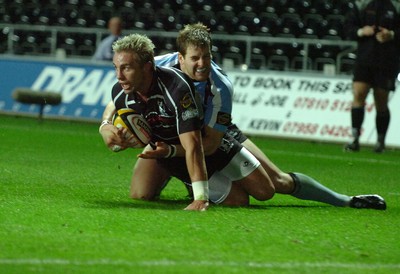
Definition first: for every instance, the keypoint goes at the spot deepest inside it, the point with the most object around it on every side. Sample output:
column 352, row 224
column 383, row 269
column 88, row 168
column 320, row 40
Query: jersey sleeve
column 167, row 60
column 183, row 100
column 218, row 105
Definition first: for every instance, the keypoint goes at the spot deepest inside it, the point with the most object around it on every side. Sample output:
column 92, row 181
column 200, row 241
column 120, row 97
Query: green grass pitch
column 64, row 208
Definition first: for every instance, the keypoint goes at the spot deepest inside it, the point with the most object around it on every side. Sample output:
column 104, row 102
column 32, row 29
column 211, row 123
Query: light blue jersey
column 216, row 93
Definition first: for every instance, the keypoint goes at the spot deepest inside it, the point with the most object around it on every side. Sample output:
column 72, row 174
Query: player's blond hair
column 193, row 34
column 137, row 43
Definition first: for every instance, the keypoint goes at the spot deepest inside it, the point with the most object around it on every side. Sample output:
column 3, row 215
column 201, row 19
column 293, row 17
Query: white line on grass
column 166, row 263
column 322, row 156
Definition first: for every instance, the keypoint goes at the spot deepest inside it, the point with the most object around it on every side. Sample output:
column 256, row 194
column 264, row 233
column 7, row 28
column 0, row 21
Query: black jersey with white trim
column 171, row 108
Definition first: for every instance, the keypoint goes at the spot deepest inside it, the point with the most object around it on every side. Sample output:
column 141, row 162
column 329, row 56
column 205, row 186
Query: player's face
column 196, row 63
column 129, row 73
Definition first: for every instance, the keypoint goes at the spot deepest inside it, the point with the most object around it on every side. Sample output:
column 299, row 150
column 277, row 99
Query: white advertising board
column 313, row 107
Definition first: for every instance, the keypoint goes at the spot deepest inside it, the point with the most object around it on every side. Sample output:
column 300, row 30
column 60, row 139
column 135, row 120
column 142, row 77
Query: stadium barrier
column 266, row 103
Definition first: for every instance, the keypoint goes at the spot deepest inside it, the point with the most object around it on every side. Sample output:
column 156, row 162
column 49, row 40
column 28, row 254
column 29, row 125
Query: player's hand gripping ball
column 135, row 124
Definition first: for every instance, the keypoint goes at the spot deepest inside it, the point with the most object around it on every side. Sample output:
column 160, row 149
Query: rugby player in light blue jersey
column 194, row 58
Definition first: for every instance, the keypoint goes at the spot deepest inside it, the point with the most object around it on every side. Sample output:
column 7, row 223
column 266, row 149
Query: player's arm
column 211, row 141
column 116, row 139
column 194, row 155
column 109, row 111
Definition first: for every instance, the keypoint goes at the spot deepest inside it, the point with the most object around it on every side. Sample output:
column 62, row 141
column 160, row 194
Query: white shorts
column 220, row 183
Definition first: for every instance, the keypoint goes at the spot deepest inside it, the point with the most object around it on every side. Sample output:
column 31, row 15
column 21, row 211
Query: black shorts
column 378, row 77
column 214, row 162
column 236, row 133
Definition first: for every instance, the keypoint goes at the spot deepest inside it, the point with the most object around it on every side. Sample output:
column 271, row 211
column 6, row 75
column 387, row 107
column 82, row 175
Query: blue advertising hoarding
column 85, row 88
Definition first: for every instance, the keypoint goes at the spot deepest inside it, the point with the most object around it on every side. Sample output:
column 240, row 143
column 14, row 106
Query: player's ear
column 149, row 66
column 181, row 58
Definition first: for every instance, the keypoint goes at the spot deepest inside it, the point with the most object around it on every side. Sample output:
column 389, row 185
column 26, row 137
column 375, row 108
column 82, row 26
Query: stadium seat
column 248, row 23
column 85, row 39
column 27, row 42
column 104, row 13
column 217, row 58
column 207, row 17
column 13, row 11
column 262, row 48
column 67, row 42
column 220, row 46
column 164, row 19
column 128, row 16
column 335, row 26
column 237, row 58
column 3, row 41
column 258, row 61
column 316, row 51
column 237, row 47
column 144, row 19
column 312, row 24
column 299, row 7
column 317, row 27
column 85, row 50
column 297, row 63
column 3, row 13
column 278, row 62
column 26, row 48
column 290, row 25
column 43, row 36
column 320, row 62
column 163, row 45
column 87, row 13
column 322, row 7
column 269, row 23
column 277, row 6
column 67, row 15
column 30, row 13
column 226, row 22
column 347, row 63
column 342, row 7
column 44, row 48
column 184, row 17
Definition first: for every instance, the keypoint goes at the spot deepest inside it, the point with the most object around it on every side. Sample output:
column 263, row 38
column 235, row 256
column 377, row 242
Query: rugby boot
column 379, row 147
column 368, row 201
column 352, row 147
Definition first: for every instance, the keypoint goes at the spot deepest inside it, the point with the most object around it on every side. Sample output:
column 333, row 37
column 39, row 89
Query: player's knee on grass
column 263, row 194
column 236, row 197
column 140, row 194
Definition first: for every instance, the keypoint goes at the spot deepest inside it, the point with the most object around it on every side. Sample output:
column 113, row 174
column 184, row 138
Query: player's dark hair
column 193, row 34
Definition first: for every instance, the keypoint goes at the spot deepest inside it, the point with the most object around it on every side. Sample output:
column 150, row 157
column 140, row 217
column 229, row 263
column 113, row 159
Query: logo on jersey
column 186, row 101
column 161, row 108
column 189, row 114
column 226, row 145
column 224, row 118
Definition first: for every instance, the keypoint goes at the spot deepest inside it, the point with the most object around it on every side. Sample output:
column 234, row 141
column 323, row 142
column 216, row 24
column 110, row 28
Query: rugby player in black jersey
column 167, row 99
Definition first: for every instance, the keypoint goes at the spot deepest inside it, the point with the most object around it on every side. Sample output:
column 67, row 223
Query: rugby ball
column 136, row 125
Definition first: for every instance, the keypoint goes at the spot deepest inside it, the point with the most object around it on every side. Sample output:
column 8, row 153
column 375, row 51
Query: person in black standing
column 375, row 25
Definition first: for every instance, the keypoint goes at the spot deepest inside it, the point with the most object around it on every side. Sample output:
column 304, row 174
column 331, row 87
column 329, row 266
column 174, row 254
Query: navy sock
column 382, row 124
column 357, row 119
